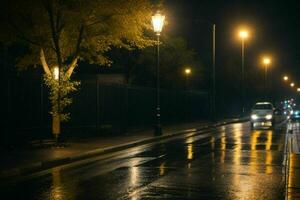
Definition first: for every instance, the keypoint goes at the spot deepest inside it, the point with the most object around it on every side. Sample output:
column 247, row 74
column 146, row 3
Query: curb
column 40, row 166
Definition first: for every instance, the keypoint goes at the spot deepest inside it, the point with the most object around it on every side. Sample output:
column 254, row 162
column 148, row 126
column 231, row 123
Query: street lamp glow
column 158, row 22
column 243, row 34
column 187, row 71
column 292, row 84
column 266, row 61
column 298, row 89
column 56, row 73
column 285, row 78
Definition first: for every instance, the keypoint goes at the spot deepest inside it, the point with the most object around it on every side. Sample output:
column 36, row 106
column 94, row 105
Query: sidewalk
column 23, row 161
column 294, row 164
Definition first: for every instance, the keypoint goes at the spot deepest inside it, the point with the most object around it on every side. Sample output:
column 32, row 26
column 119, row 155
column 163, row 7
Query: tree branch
column 44, row 63
column 55, row 34
column 72, row 67
column 76, row 54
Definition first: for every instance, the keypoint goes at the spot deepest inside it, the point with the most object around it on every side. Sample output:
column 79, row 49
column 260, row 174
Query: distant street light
column 292, row 84
column 158, row 23
column 298, row 89
column 187, row 73
column 243, row 34
column 266, row 62
column 285, row 78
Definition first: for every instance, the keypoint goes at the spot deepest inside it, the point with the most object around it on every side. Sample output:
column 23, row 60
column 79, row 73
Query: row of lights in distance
column 292, row 84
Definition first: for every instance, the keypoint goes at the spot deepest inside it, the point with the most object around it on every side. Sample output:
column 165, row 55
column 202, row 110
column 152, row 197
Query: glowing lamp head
column 298, row 89
column 56, row 73
column 187, row 71
column 285, row 78
column 244, row 34
column 292, row 84
column 266, row 61
column 158, row 22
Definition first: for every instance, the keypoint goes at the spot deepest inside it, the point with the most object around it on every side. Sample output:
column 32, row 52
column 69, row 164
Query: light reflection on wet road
column 233, row 163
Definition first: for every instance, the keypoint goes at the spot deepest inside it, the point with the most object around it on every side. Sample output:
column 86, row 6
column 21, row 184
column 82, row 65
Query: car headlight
column 254, row 117
column 269, row 116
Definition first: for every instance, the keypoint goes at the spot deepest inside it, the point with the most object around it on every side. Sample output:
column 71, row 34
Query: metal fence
column 97, row 107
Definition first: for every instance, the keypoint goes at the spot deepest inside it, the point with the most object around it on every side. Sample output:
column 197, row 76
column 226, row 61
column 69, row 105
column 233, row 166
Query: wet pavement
column 231, row 162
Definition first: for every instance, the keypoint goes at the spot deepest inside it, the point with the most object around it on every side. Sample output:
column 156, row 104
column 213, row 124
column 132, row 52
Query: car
column 262, row 114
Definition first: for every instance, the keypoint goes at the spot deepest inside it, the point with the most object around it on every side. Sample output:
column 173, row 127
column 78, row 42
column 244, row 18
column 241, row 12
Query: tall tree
column 59, row 33
column 175, row 57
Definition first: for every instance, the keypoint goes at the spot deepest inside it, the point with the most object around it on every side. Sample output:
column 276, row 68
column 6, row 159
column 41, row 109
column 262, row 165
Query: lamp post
column 243, row 34
column 158, row 23
column 187, row 73
column 213, row 83
column 214, row 72
column 266, row 62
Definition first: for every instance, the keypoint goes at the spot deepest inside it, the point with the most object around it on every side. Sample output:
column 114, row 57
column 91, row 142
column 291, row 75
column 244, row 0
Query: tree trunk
column 56, row 126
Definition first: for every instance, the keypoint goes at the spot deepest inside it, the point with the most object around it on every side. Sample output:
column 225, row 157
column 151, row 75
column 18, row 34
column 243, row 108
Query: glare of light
column 223, row 147
column 134, row 175
column 162, row 169
column 56, row 189
column 190, row 152
column 223, row 143
column 243, row 34
column 269, row 141
column 187, row 71
column 253, row 156
column 254, row 138
column 285, row 78
column 292, row 84
column 254, row 117
column 56, row 73
column 298, row 89
column 212, row 143
column 268, row 117
column 158, row 22
column 269, row 157
column 266, row 61
column 237, row 126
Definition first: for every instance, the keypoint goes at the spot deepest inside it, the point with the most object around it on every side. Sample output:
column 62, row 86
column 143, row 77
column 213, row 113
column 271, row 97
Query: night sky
column 274, row 27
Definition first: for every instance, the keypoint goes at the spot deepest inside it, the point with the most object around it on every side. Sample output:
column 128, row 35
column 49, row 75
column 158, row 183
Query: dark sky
column 274, row 29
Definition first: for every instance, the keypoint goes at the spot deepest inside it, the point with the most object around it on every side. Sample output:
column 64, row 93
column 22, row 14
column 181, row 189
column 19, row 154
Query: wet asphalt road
column 230, row 163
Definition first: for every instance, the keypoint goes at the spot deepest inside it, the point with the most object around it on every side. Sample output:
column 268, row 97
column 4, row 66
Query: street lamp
column 266, row 63
column 292, row 84
column 158, row 23
column 285, row 78
column 187, row 73
column 213, row 88
column 243, row 34
column 298, row 89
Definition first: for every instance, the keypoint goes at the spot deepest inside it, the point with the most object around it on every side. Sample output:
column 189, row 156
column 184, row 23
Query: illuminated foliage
column 60, row 90
column 59, row 33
